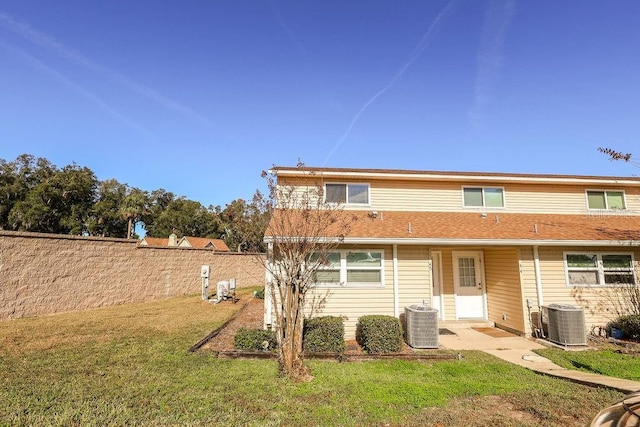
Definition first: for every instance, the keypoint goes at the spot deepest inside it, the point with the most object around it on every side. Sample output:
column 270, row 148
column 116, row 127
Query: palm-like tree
column 132, row 208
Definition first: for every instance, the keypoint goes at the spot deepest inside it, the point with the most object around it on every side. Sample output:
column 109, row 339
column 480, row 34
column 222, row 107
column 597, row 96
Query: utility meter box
column 204, row 271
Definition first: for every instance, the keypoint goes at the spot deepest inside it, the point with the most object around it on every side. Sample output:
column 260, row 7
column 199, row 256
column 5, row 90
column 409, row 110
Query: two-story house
column 486, row 246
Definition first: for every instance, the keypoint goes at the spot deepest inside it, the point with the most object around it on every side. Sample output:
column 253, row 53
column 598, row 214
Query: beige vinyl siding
column 529, row 289
column 414, row 276
column 557, row 199
column 302, row 194
column 519, row 198
column 397, row 195
column 595, row 301
column 351, row 302
column 504, row 295
column 415, row 196
column 447, row 285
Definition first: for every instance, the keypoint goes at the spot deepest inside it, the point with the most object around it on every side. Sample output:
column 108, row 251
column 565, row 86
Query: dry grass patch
column 188, row 317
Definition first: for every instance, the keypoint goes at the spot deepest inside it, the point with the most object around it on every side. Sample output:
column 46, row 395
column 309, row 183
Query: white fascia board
column 477, row 242
column 461, row 176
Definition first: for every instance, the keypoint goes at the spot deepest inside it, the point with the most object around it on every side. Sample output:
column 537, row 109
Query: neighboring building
column 154, row 241
column 486, row 246
column 186, row 242
column 203, row 243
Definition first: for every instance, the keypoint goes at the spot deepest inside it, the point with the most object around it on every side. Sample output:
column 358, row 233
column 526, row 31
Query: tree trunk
column 129, row 228
column 290, row 358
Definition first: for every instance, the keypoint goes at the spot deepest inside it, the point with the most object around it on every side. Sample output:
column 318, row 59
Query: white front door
column 468, row 285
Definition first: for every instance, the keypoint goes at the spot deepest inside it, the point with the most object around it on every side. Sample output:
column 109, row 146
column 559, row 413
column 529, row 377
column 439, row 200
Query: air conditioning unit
column 421, row 326
column 564, row 324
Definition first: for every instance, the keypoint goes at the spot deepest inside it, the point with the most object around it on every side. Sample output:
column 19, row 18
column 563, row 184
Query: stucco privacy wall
column 50, row 273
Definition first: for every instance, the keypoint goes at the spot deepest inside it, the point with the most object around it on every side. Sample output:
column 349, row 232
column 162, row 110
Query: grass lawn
column 129, row 365
column 606, row 361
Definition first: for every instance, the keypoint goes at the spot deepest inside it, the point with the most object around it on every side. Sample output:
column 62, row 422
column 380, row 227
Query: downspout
column 396, row 308
column 536, row 266
column 268, row 306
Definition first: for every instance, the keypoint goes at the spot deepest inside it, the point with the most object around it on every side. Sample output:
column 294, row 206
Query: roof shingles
column 204, row 242
column 502, row 226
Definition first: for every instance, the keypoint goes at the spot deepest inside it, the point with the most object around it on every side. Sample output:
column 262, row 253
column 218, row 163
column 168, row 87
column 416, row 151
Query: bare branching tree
column 618, row 156
column 302, row 231
column 619, row 299
column 614, row 301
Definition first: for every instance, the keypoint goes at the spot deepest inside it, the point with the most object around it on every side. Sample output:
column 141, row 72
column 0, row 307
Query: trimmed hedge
column 629, row 325
column 379, row 334
column 259, row 294
column 323, row 334
column 255, row 340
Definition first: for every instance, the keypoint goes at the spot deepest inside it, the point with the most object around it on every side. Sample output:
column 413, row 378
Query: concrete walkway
column 518, row 350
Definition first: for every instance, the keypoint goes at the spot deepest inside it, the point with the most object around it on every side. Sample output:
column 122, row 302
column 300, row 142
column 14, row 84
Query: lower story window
column 599, row 269
column 352, row 268
column 329, row 272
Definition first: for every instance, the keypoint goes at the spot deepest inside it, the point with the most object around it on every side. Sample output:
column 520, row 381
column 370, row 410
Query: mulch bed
column 250, row 316
column 220, row 341
column 617, row 345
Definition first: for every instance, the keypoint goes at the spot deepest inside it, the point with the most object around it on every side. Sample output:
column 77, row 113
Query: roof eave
column 475, row 242
column 458, row 176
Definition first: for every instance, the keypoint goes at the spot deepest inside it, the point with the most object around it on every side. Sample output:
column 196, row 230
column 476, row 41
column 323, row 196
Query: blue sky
column 198, row 97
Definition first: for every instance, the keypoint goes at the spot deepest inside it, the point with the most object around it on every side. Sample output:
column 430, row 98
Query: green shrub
column 323, row 334
column 259, row 294
column 379, row 334
column 255, row 340
column 629, row 325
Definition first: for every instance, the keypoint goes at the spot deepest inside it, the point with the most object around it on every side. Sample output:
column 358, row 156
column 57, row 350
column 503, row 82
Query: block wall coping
column 32, row 235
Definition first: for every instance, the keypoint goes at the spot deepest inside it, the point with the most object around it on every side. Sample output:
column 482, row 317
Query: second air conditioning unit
column 565, row 324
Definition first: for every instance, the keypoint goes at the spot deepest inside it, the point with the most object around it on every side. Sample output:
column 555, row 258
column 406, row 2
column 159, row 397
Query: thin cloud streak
column 420, row 48
column 47, row 42
column 302, row 51
column 36, row 63
column 490, row 59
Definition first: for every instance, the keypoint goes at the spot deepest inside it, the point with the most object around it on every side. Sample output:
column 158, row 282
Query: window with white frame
column 599, row 269
column 347, row 193
column 488, row 197
column 329, row 270
column 605, row 199
column 351, row 268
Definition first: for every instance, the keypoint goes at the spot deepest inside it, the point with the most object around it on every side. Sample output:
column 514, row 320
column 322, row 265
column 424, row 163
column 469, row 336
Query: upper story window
column 347, row 193
column 605, row 199
column 488, row 197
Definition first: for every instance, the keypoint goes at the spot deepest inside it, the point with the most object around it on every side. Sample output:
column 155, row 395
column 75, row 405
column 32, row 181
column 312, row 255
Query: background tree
column 17, row 178
column 105, row 219
column 58, row 202
column 157, row 201
column 133, row 208
column 244, row 223
column 301, row 232
column 77, row 197
column 184, row 218
column 37, row 196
